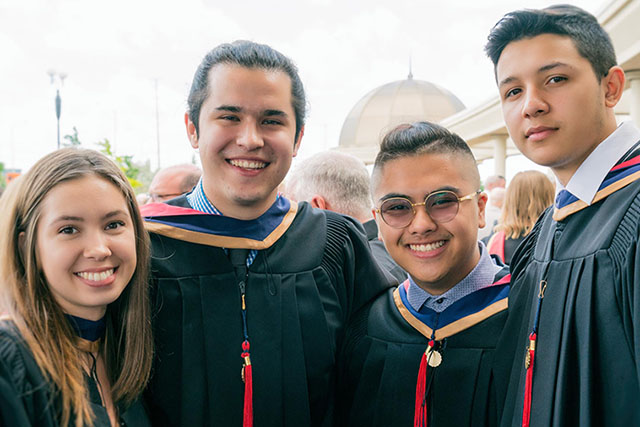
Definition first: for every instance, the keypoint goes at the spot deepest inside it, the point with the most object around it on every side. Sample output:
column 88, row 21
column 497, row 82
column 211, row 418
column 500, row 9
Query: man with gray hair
column 340, row 182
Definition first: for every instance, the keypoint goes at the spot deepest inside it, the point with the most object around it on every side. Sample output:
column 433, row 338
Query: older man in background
column 173, row 181
column 340, row 182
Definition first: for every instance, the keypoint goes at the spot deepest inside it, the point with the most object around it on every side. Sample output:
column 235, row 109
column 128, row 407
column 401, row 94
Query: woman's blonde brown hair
column 26, row 298
column 528, row 194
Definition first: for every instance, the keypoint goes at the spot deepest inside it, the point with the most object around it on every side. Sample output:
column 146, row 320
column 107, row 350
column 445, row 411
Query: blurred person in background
column 529, row 193
column 173, row 181
column 492, row 213
column 494, row 181
column 340, row 182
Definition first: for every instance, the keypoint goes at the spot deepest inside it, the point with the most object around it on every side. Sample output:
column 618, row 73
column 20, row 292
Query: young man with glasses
column 423, row 352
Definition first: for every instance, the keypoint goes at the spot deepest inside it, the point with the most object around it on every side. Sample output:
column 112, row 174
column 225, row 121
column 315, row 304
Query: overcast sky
column 114, row 53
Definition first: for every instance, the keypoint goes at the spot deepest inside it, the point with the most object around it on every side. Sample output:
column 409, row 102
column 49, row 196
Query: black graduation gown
column 383, row 351
column 587, row 359
column 26, row 398
column 301, row 291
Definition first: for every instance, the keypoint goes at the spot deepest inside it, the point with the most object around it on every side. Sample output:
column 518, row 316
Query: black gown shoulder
column 24, row 394
column 587, row 368
column 27, row 399
column 380, row 362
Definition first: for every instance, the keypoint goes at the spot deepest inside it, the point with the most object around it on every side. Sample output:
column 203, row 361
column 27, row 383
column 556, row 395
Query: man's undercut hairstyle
column 340, row 178
column 589, row 38
column 415, row 139
column 249, row 55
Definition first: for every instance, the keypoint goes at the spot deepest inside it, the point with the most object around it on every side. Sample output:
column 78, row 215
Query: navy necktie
column 564, row 198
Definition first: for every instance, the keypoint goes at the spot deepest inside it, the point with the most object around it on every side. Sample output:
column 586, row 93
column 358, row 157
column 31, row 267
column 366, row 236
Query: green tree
column 138, row 174
column 73, row 140
column 145, row 175
column 3, row 182
column 126, row 163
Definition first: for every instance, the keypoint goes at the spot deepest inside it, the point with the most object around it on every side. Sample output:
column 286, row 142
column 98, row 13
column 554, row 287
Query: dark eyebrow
column 552, row 66
column 229, row 108
column 275, row 113
column 506, row 81
column 404, row 196
column 68, row 218
column 542, row 69
column 393, row 196
column 115, row 213
column 447, row 188
column 108, row 215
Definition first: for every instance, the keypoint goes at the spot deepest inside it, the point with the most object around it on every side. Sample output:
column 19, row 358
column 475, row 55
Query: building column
column 500, row 155
column 633, row 77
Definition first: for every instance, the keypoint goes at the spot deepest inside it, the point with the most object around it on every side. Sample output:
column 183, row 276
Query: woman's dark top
column 27, row 399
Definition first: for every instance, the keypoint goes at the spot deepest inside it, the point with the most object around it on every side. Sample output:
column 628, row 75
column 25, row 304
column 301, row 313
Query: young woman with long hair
column 528, row 194
column 75, row 334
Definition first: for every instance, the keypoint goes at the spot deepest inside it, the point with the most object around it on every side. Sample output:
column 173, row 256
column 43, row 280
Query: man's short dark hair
column 408, row 140
column 249, row 55
column 589, row 38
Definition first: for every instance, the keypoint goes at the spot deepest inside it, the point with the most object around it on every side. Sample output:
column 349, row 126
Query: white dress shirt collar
column 585, row 182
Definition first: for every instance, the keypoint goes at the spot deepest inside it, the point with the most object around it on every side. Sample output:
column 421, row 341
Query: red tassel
column 526, row 411
column 420, row 414
column 247, row 376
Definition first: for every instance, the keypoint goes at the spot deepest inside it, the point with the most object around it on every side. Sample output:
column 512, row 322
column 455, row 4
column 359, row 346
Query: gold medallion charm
column 242, row 373
column 434, row 358
column 527, row 360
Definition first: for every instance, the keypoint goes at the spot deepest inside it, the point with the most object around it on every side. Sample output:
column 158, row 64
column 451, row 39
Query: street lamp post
column 58, row 110
column 57, row 79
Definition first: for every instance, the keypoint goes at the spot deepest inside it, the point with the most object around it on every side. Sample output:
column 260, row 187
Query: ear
column 296, row 145
column 482, row 204
column 377, row 219
column 191, row 131
column 613, row 85
column 22, row 245
column 319, row 202
column 21, row 241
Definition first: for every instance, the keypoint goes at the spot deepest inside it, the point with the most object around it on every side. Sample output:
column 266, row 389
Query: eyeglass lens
column 441, row 207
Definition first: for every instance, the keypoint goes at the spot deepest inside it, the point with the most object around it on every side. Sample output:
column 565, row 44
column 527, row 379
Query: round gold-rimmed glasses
column 441, row 206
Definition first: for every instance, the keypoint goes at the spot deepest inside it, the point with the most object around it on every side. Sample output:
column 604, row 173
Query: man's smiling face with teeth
column 437, row 256
column 247, row 165
column 246, row 138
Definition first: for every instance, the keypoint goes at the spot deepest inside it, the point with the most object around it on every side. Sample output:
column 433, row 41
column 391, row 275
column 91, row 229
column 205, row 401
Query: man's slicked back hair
column 249, row 55
column 589, row 38
column 408, row 140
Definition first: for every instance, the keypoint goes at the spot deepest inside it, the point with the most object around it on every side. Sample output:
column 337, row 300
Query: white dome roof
column 389, row 105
